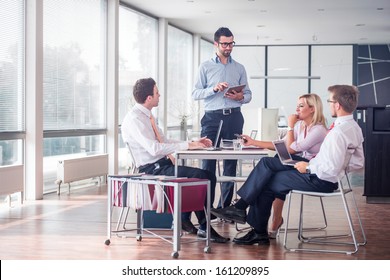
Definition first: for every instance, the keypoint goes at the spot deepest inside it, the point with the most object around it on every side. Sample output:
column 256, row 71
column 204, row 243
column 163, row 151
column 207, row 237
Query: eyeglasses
column 331, row 101
column 225, row 45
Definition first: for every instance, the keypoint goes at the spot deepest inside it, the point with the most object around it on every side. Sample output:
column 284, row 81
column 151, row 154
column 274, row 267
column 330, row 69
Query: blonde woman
column 305, row 132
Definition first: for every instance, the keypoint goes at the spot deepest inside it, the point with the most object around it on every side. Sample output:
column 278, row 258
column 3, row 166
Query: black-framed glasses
column 225, row 44
column 331, row 101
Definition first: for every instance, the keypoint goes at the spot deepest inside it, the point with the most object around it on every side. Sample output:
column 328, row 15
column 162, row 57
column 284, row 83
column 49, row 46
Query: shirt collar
column 342, row 119
column 218, row 60
column 144, row 110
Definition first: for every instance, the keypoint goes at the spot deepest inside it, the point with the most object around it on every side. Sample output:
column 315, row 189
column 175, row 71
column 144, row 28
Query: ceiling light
column 360, row 24
column 281, row 69
column 260, row 25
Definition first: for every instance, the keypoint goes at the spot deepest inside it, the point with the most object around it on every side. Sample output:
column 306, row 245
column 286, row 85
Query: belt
column 225, row 112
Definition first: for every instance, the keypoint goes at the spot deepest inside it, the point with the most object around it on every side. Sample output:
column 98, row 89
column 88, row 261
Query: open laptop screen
column 281, row 149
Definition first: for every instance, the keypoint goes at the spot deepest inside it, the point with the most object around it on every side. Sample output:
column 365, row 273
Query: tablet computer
column 236, row 88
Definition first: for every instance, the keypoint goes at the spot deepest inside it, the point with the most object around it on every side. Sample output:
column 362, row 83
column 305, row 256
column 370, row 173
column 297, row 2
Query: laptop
column 284, row 155
column 215, row 143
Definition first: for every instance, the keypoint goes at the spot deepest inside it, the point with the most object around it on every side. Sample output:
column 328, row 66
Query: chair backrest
column 133, row 167
column 347, row 159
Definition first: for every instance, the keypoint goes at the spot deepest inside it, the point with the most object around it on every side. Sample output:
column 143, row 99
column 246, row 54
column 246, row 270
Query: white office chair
column 350, row 243
column 131, row 170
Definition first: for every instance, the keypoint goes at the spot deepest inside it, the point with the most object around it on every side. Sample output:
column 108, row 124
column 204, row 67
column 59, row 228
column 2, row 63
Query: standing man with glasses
column 214, row 78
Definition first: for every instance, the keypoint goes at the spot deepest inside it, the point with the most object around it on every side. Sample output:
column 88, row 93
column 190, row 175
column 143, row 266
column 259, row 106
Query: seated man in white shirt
column 152, row 150
column 269, row 180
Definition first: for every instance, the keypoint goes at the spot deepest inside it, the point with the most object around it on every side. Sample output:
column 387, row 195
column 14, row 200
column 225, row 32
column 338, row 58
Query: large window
column 179, row 81
column 12, row 97
column 137, row 54
column 137, row 59
column 73, row 79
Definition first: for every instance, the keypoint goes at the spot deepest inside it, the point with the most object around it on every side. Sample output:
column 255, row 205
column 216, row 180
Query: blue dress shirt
column 212, row 72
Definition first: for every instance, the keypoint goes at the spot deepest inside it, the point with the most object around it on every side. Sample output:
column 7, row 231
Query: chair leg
column 120, row 218
column 287, row 222
column 364, row 239
column 324, row 226
column 328, row 238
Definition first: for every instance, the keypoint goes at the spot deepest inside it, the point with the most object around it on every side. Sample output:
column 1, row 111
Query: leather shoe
column 230, row 213
column 187, row 226
column 214, row 236
column 252, row 238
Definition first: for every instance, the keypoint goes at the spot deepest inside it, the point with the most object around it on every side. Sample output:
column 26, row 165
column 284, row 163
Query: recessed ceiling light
column 263, row 11
column 379, row 9
column 360, row 24
column 260, row 25
column 321, row 10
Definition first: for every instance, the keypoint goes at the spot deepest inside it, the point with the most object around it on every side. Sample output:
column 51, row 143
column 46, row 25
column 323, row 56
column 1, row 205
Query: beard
column 226, row 53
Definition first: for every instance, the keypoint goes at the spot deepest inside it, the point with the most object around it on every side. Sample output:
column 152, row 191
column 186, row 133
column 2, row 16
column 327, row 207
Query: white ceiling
column 278, row 22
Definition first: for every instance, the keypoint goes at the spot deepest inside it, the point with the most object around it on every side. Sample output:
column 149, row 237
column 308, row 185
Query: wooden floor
column 73, row 227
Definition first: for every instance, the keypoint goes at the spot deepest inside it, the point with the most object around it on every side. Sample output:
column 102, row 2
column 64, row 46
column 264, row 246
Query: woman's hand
column 247, row 140
column 292, row 120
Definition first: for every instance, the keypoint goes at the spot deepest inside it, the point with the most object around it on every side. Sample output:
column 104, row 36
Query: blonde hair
column 313, row 100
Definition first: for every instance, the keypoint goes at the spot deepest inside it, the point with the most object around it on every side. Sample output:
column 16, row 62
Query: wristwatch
column 289, row 128
column 308, row 169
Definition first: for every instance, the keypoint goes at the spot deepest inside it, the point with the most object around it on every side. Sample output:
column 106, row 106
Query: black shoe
column 187, row 226
column 214, row 236
column 230, row 213
column 252, row 238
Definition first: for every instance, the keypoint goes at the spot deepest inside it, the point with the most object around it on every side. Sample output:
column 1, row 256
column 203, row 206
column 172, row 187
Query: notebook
column 238, row 88
column 284, row 155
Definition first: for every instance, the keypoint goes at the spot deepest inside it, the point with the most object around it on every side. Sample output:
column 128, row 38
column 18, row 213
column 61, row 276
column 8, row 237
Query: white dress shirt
column 345, row 138
column 138, row 132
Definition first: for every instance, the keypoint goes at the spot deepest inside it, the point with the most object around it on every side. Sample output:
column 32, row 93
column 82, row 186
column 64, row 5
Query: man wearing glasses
column 269, row 179
column 214, row 78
